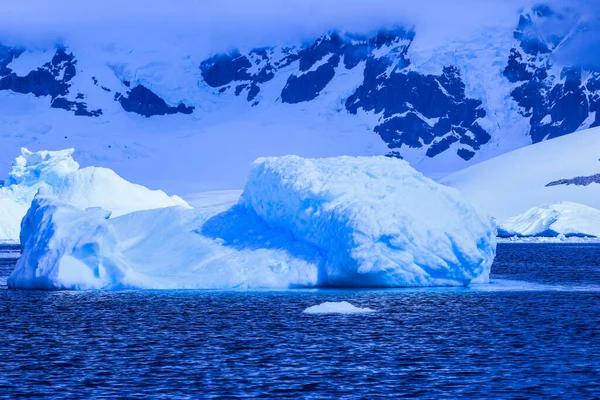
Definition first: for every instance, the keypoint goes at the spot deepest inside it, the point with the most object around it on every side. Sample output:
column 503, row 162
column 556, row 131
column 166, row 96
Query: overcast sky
column 244, row 20
column 222, row 23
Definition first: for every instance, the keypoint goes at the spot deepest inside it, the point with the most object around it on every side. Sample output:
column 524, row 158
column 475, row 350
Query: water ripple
column 505, row 340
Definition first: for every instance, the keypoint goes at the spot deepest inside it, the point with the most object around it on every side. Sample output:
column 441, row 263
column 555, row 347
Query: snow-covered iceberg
column 360, row 222
column 58, row 173
column 341, row 307
column 378, row 221
column 561, row 219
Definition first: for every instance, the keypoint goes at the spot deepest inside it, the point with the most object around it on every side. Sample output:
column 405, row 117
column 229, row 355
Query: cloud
column 218, row 23
column 215, row 25
column 580, row 21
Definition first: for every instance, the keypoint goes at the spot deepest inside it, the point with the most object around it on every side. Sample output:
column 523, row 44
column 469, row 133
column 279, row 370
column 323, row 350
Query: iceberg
column 66, row 248
column 167, row 248
column 58, row 173
column 339, row 222
column 566, row 219
column 379, row 221
column 342, row 307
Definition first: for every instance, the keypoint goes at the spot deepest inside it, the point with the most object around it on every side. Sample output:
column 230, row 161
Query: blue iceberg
column 334, row 222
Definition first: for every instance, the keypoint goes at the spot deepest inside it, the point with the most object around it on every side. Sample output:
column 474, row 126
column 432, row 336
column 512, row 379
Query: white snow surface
column 564, row 218
column 58, row 173
column 341, row 307
column 214, row 198
column 351, row 222
column 511, row 184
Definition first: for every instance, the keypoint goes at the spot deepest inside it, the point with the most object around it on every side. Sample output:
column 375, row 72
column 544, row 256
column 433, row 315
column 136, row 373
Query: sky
column 216, row 25
column 239, row 21
column 584, row 48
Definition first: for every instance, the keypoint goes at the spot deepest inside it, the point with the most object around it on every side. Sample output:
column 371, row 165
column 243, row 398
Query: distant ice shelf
column 560, row 239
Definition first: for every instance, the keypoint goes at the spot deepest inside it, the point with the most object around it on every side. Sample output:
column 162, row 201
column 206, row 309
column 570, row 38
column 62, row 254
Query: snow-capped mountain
column 557, row 100
column 414, row 109
column 168, row 116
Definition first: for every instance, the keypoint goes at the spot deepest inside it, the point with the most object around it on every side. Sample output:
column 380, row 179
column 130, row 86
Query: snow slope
column 565, row 218
column 58, row 173
column 360, row 222
column 561, row 169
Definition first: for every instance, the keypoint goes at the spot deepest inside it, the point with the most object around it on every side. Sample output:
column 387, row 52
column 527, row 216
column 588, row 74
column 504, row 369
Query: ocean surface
column 534, row 332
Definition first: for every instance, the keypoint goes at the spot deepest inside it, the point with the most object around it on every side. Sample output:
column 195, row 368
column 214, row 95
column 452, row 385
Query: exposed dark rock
column 420, row 109
column 246, row 70
column 417, row 110
column 465, row 154
column 7, row 55
column 52, row 79
column 556, row 105
column 143, row 101
column 577, row 181
column 79, row 108
column 307, row 86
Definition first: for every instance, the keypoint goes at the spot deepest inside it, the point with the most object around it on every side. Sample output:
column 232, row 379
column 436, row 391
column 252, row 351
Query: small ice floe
column 342, row 307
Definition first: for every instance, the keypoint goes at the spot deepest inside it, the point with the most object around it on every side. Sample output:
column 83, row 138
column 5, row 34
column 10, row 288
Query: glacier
column 337, row 222
column 58, row 173
column 566, row 219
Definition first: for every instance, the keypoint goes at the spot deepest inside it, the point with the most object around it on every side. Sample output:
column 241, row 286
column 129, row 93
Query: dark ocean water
column 533, row 333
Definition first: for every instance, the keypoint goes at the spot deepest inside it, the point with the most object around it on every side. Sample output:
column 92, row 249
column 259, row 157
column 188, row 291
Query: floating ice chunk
column 553, row 220
column 342, row 307
column 59, row 174
column 379, row 222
